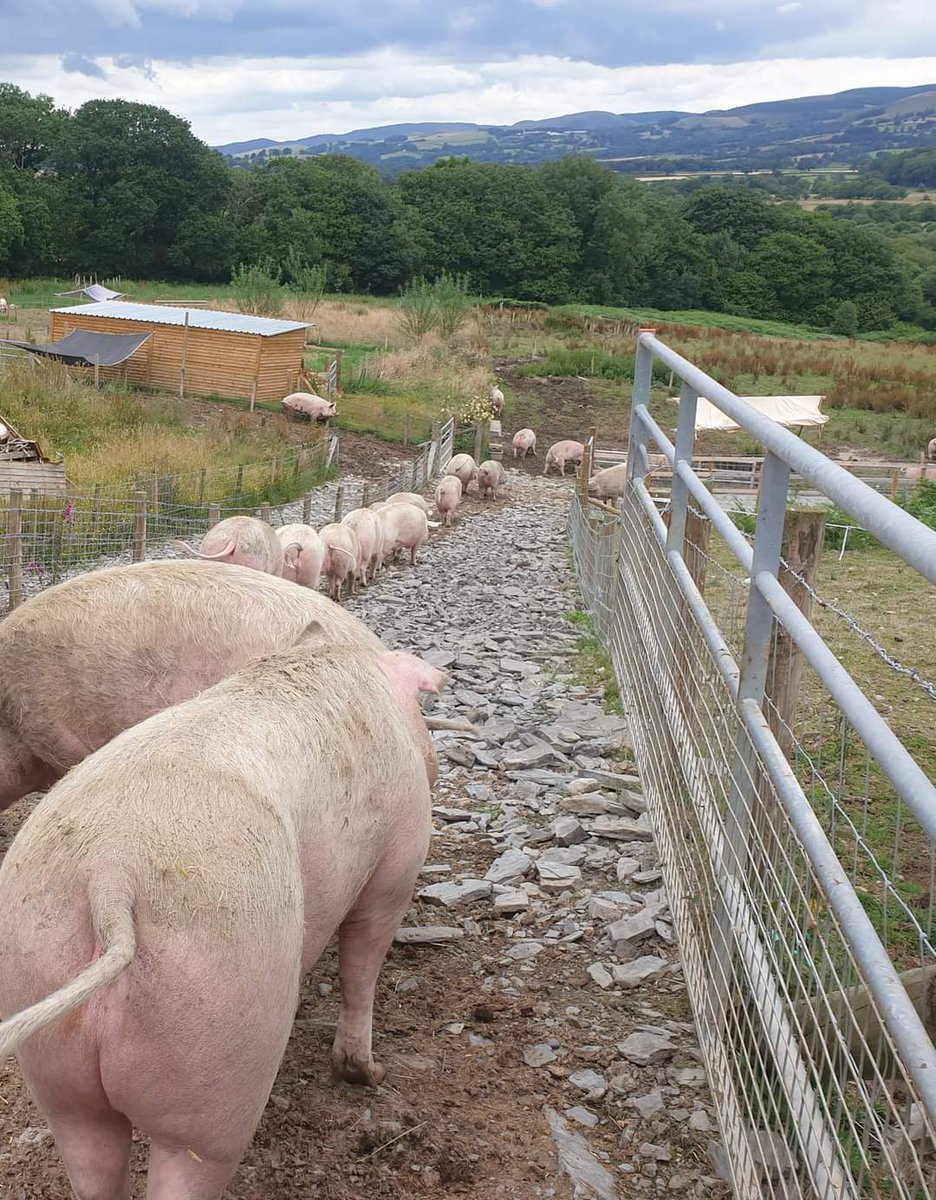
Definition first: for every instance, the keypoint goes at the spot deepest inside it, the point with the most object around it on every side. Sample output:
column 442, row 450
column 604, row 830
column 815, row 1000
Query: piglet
column 167, row 895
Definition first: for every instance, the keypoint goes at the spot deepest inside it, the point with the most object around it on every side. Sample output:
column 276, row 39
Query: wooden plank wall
column 47, row 478
column 216, row 362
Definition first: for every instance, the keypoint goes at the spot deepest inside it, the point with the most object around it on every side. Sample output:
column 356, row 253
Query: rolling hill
column 805, row 131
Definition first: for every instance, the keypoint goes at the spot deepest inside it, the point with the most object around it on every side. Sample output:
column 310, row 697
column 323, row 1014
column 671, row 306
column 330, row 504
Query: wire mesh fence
column 44, row 539
column 800, row 877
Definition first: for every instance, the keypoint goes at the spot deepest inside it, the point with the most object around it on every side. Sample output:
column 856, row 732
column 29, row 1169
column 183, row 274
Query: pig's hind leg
column 364, row 938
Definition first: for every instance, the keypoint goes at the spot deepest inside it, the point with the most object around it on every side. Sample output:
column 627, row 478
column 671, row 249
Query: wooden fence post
column 339, row 502
column 365, row 494
column 139, row 526
column 307, row 508
column 96, row 510
column 214, row 515
column 15, row 544
column 479, row 443
column 265, row 513
column 273, row 466
column 296, row 465
column 803, row 536
column 586, row 468
column 239, row 481
column 202, row 479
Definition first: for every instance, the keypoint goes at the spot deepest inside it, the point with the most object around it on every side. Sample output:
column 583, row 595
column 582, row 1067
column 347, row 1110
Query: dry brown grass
column 349, row 322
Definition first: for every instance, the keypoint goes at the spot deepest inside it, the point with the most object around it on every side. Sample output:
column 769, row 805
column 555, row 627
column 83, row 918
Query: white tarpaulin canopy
column 95, row 291
column 785, row 410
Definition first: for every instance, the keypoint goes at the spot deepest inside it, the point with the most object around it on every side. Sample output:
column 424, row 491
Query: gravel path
column 532, row 1015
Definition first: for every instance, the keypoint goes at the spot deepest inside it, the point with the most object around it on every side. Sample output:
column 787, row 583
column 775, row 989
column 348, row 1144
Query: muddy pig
column 448, row 496
column 560, row 453
column 609, row 483
column 463, row 467
column 90, row 657
column 524, row 443
column 169, row 893
column 303, row 554
column 243, row 541
column 490, row 477
column 370, row 543
column 342, row 556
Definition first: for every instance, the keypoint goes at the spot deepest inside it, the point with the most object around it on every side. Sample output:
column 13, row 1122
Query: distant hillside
column 805, row 131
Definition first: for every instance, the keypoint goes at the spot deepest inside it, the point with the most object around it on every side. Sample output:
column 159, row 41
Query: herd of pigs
column 235, row 768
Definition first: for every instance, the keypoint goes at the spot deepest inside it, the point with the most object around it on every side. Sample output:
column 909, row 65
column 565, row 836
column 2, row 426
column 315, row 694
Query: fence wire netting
column 47, row 538
column 814, row 1097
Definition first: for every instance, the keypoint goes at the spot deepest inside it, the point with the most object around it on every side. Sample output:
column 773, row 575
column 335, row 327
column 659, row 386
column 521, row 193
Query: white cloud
column 231, row 100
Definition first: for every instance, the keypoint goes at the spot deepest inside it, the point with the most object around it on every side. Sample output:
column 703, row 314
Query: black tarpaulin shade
column 84, row 348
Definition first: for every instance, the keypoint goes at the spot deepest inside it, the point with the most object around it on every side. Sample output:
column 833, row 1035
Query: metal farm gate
column 799, row 856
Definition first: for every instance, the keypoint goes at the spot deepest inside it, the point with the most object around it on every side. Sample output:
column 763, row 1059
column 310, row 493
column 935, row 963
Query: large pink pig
column 88, row 658
column 342, row 557
column 369, row 536
column 313, row 406
column 404, row 527
column 560, row 453
column 167, row 895
column 463, row 467
column 523, row 443
column 303, row 554
column 491, row 476
column 448, row 496
column 243, row 541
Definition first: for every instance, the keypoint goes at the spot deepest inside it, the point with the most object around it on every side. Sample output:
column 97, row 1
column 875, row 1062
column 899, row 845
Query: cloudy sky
column 289, row 68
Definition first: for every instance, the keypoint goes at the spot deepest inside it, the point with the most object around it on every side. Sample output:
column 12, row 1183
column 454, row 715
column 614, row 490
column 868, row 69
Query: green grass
column 592, row 664
column 696, row 317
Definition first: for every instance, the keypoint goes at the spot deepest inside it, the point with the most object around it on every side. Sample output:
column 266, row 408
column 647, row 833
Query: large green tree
column 501, row 224
column 133, row 176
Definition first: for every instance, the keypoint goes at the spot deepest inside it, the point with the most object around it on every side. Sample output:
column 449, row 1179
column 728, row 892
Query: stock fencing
column 797, row 834
column 45, row 539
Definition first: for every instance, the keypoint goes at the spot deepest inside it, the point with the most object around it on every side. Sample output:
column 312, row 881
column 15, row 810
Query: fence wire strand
column 814, row 1099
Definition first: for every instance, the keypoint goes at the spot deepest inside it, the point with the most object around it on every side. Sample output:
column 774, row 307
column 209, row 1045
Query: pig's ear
column 312, row 635
column 409, row 675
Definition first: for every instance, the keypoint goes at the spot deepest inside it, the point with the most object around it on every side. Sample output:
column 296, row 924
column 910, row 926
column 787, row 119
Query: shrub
column 418, row 313
column 257, row 288
column 845, row 319
column 307, row 284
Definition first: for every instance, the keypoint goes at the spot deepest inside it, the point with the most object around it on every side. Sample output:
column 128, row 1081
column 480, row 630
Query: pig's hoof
column 366, row 1074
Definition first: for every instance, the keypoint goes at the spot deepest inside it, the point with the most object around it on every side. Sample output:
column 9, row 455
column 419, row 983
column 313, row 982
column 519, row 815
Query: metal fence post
column 679, row 494
column 637, row 435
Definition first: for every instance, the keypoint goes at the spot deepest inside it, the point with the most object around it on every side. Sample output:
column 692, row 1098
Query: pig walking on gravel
column 463, row 467
column 560, row 453
column 448, row 496
column 243, row 541
column 524, row 443
column 490, row 477
column 168, row 894
column 409, row 498
column 303, row 554
column 313, row 406
column 342, row 557
column 609, row 484
column 370, row 541
column 405, row 527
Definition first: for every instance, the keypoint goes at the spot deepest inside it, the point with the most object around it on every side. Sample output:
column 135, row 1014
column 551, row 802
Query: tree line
column 119, row 188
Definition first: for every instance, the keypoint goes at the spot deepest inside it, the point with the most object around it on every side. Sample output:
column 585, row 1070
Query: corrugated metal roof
column 199, row 318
